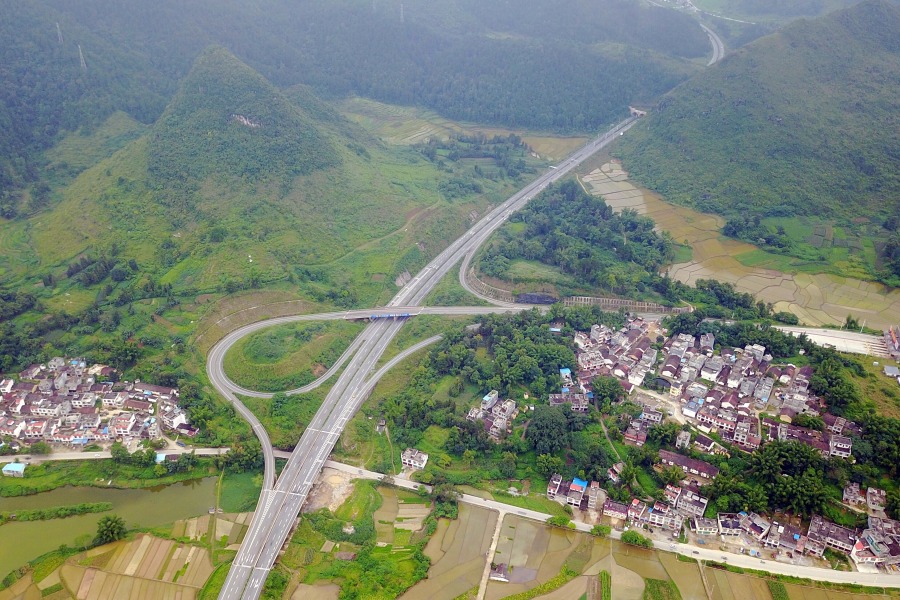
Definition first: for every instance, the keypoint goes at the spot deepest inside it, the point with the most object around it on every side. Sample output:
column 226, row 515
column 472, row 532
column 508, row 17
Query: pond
column 151, row 507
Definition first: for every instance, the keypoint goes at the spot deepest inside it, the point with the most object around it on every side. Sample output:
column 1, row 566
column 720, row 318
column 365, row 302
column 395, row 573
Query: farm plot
column 536, row 554
column 145, row 568
column 685, row 575
column 816, row 298
column 457, row 550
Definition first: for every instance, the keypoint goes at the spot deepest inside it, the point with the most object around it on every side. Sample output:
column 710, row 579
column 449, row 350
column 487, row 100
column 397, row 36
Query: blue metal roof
column 14, row 468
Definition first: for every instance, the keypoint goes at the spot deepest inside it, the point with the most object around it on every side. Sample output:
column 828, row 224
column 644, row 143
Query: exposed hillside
column 804, row 122
column 228, row 119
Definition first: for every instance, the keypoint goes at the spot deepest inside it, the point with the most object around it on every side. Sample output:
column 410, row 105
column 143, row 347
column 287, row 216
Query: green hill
column 226, row 118
column 802, row 122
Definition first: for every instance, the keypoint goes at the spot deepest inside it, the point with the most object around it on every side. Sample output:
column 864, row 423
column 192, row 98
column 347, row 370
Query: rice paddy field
column 457, row 552
column 816, row 298
column 145, row 568
column 404, row 125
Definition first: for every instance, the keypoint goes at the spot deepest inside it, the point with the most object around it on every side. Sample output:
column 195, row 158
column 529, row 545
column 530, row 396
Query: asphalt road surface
column 280, row 502
column 717, row 45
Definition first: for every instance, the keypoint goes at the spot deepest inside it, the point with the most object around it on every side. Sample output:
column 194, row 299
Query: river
column 151, row 507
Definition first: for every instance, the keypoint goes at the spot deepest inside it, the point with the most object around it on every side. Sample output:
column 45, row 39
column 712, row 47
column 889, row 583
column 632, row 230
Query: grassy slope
column 802, row 121
column 357, row 219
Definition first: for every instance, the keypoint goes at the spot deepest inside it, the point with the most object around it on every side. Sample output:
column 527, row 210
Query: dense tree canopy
column 568, row 228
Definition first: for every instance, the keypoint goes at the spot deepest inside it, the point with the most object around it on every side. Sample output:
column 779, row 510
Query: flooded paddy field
column 457, row 551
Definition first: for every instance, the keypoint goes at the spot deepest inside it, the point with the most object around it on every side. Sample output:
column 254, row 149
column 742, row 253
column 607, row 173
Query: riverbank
column 104, row 473
column 145, row 508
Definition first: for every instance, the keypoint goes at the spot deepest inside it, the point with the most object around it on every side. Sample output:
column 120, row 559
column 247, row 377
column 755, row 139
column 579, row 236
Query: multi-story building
column 414, row 459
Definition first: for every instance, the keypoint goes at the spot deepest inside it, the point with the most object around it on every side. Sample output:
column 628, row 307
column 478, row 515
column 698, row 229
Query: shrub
column 635, row 539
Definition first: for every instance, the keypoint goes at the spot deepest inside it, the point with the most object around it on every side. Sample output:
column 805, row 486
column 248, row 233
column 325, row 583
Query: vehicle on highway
column 696, row 552
column 724, row 557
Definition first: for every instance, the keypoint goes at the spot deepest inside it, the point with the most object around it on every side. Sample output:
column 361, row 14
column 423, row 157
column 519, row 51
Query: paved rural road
column 718, row 46
column 280, row 503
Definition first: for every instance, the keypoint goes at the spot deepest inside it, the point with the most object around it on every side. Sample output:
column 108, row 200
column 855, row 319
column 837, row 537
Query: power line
column 59, row 33
column 81, row 56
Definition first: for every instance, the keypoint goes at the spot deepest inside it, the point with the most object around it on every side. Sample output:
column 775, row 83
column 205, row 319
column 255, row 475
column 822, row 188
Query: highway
column 718, row 46
column 280, row 502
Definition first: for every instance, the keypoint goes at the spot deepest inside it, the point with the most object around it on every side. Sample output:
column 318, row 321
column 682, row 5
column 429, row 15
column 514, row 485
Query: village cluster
column 65, row 401
column 720, row 391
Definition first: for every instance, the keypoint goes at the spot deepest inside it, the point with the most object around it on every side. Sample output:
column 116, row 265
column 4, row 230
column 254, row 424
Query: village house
column 576, row 492
column 704, row 526
column 659, row 515
column 615, row 510
column 553, row 486
column 414, row 459
column 852, row 495
column 755, row 526
column 578, row 402
column 636, row 433
column 729, row 526
column 14, row 470
column 824, row 534
column 594, row 494
column 876, row 499
column 690, row 503
column 615, row 472
column 690, row 466
column 786, row 537
column 488, row 402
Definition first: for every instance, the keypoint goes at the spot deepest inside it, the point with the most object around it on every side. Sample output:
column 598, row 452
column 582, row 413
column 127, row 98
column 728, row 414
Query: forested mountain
column 801, row 122
column 227, row 118
column 490, row 62
column 44, row 90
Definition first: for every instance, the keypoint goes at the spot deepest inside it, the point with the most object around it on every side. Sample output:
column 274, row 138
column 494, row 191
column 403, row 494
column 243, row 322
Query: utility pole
column 59, row 33
column 81, row 56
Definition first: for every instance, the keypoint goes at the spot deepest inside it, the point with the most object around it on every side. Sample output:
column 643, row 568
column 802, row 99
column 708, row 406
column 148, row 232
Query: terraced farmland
column 816, row 298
